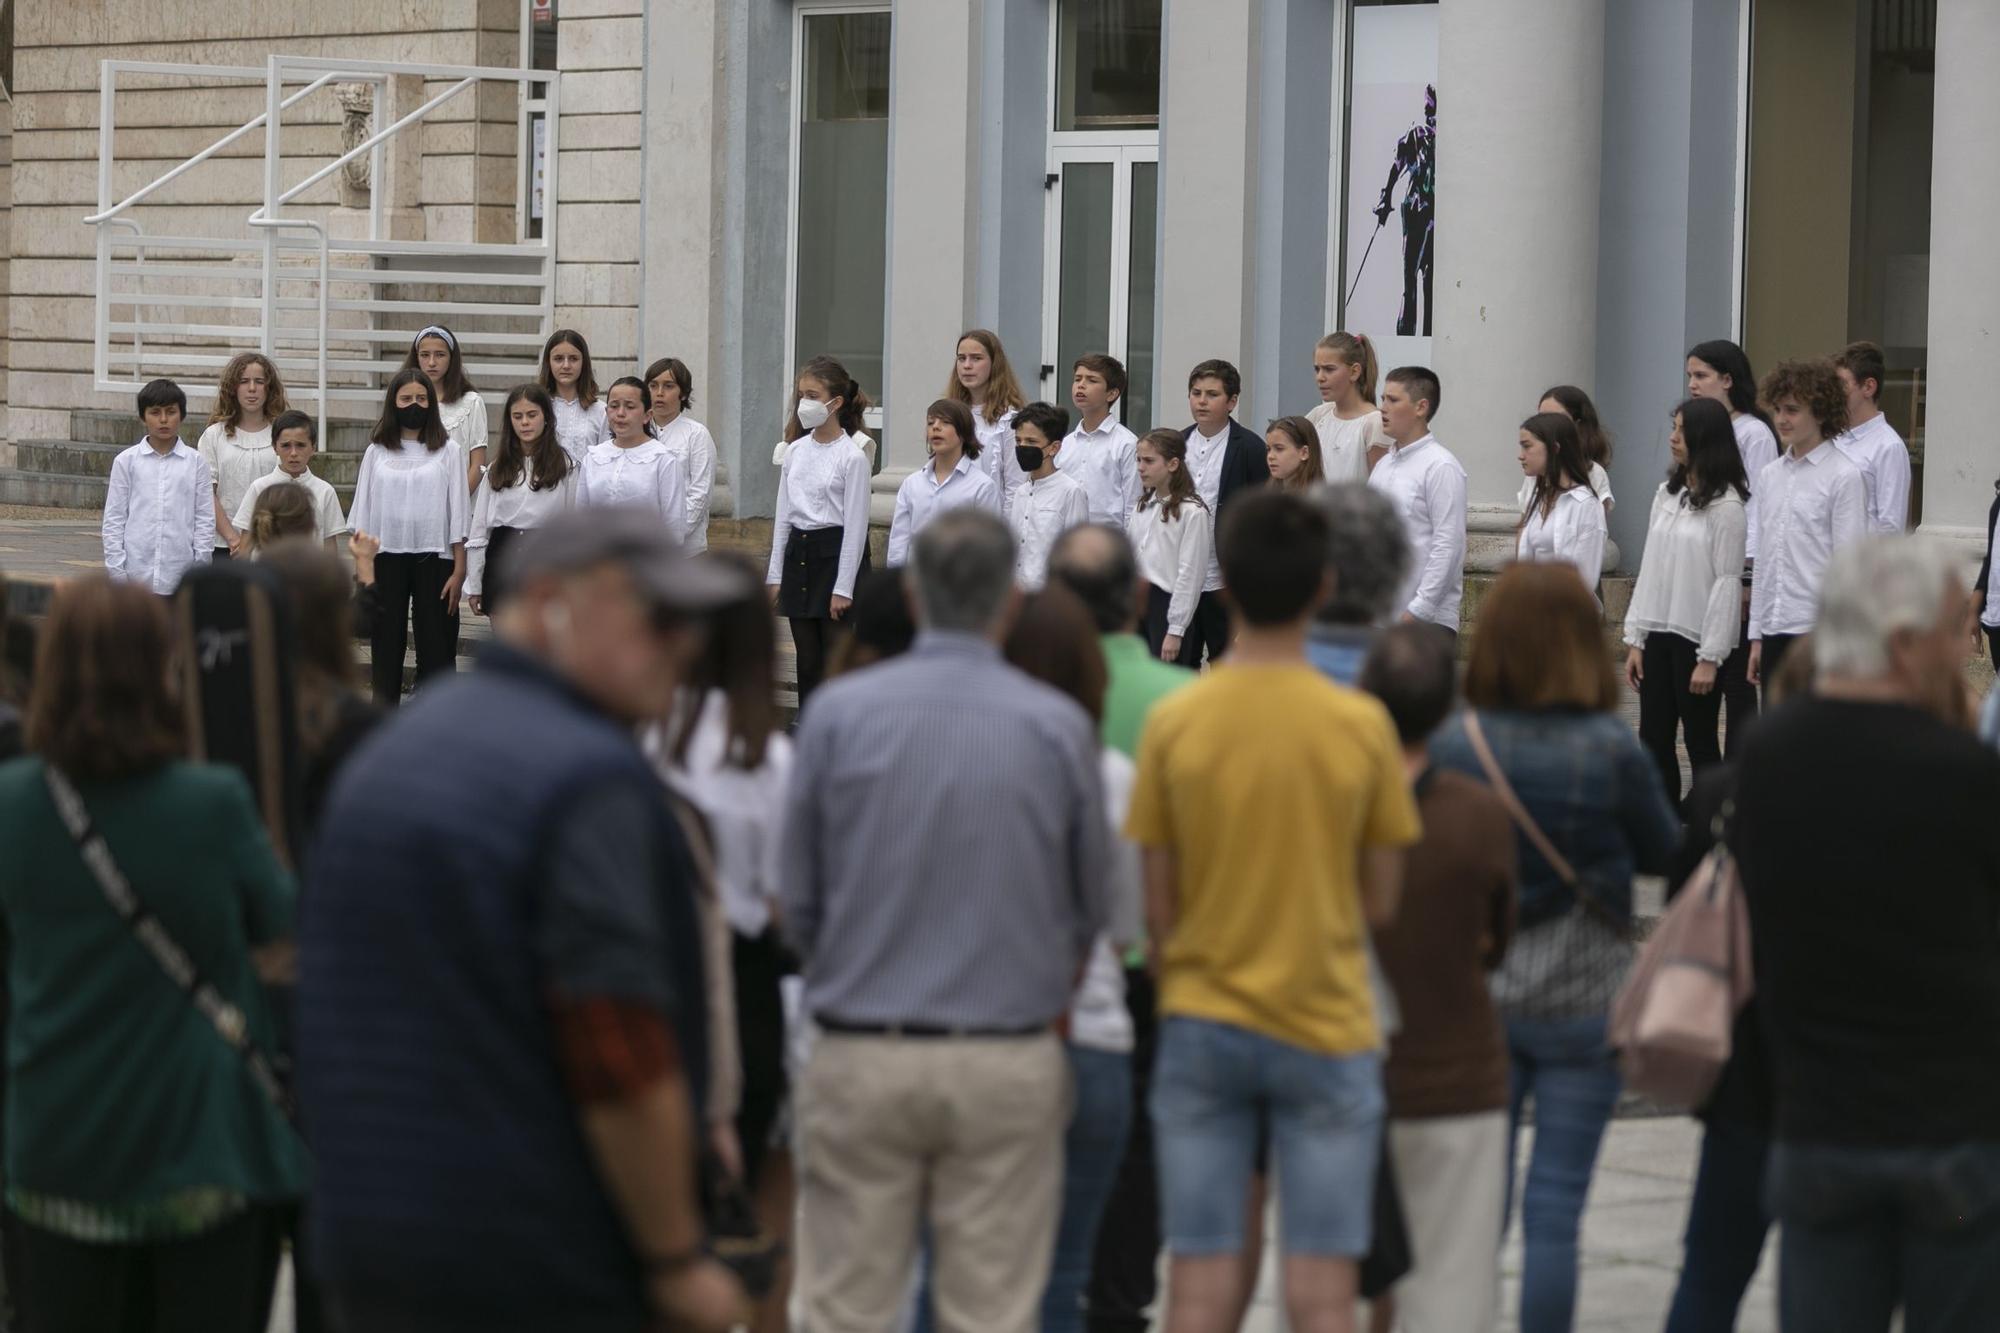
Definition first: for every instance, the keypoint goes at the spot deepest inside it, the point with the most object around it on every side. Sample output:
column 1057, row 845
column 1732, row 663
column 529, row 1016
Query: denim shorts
column 1215, row 1087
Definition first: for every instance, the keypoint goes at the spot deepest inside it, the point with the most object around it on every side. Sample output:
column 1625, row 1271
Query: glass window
column 1108, row 65
column 1145, row 262
column 843, row 192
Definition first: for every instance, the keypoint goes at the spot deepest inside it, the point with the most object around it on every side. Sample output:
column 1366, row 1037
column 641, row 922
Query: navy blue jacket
column 1243, row 463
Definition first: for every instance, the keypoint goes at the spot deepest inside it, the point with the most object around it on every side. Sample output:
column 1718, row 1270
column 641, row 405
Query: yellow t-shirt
column 1267, row 782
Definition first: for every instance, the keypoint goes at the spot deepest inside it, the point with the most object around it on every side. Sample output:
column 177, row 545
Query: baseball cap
column 632, row 537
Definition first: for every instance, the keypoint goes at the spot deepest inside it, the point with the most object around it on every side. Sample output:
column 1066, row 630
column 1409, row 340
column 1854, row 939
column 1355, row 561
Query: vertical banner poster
column 1390, row 226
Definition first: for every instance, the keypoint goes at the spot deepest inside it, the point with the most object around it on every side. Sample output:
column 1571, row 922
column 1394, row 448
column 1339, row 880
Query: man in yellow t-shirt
column 1273, row 807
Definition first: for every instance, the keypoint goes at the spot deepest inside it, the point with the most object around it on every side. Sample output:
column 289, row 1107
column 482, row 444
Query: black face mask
column 412, row 416
column 1028, row 456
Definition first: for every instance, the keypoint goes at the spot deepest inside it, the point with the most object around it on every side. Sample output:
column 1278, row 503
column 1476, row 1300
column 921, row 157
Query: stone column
column 1961, row 457
column 1520, row 132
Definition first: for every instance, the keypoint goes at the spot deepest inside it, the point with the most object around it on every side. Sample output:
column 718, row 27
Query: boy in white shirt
column 1101, row 453
column 1051, row 503
column 159, row 508
column 1870, row 442
column 294, row 439
column 1427, row 485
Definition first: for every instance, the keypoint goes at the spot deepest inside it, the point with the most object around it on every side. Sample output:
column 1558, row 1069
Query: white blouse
column 1572, row 530
column 579, row 427
column 465, row 421
column 1173, row 555
column 1098, row 1018
column 411, row 498
column 1691, row 579
column 743, row 807
column 823, row 486
column 1344, row 445
column 922, row 497
column 1043, row 511
column 696, row 446
column 236, row 461
column 996, row 454
column 1600, row 481
column 518, row 506
column 647, row 473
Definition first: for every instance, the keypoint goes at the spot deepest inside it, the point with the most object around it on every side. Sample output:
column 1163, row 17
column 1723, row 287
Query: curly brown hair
column 1816, row 386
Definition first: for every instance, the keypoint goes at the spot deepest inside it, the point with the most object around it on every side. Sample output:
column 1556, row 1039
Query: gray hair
column 961, row 570
column 1875, row 589
column 1368, row 552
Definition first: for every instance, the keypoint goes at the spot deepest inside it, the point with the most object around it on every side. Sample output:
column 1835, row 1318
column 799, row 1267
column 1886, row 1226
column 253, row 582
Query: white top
column 1106, row 461
column 1043, row 511
column 579, row 427
column 465, row 421
column 1572, row 530
column 1990, row 616
column 691, row 440
column 234, row 461
column 327, row 518
column 1691, row 579
column 1344, row 445
column 159, row 516
column 1810, row 508
column 412, row 498
column 1173, row 555
column 1884, row 460
column 861, row 438
column 1759, row 448
column 1427, row 486
column 1600, row 482
column 518, row 506
column 743, row 808
column 823, row 486
column 922, row 497
column 1098, row 1018
column 1204, row 463
column 647, row 474
column 996, row 454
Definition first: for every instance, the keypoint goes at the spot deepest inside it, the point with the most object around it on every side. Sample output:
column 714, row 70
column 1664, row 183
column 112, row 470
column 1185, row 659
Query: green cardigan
column 118, row 1091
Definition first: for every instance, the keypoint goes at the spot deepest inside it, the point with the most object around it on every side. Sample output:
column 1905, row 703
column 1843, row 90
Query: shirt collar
column 181, row 449
column 1220, row 437
column 1104, row 427
column 954, row 643
column 958, row 469
column 1816, row 457
column 1401, row 450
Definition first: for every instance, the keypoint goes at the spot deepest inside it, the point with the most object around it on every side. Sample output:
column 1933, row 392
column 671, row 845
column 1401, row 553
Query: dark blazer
column 1243, row 465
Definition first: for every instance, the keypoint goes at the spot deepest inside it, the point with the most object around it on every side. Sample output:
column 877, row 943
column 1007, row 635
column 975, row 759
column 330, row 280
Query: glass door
column 1102, row 257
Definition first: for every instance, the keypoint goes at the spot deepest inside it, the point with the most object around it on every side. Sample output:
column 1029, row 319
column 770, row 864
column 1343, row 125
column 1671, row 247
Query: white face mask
column 812, row 413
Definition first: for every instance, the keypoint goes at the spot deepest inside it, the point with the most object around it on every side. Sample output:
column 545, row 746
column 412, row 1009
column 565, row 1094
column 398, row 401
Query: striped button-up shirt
column 945, row 848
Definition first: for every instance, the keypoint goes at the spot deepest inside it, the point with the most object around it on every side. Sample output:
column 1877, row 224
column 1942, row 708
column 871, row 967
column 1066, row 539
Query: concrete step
column 101, row 427
column 67, row 457
column 52, row 490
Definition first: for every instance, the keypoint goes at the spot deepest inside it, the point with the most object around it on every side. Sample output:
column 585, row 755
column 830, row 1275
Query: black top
column 1865, row 833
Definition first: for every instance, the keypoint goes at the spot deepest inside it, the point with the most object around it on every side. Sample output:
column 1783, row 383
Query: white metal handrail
column 320, row 231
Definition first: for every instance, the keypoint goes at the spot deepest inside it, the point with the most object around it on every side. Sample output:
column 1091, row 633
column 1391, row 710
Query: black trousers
column 1210, row 626
column 1775, row 648
column 760, row 966
column 1739, row 696
column 1158, row 602
column 1993, row 645
column 1124, row 1270
column 815, row 639
column 211, row 1283
column 408, row 591
column 1667, row 706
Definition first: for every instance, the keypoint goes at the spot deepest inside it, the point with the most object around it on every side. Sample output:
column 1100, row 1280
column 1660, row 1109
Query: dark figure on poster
column 1416, row 156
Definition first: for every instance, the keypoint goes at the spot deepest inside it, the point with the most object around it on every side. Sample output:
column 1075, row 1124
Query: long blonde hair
column 1003, row 391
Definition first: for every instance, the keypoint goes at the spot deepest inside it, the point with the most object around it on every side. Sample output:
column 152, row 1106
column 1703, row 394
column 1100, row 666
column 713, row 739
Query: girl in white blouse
column 983, row 379
column 411, row 497
column 1575, row 404
column 435, row 352
column 1171, row 534
column 1564, row 519
column 671, row 385
column 819, row 537
column 633, row 468
column 1351, row 438
column 237, row 443
column 567, row 379
column 532, row 479
column 1685, row 621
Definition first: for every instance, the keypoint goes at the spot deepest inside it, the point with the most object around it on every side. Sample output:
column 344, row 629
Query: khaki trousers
column 1452, row 1172
column 965, row 1134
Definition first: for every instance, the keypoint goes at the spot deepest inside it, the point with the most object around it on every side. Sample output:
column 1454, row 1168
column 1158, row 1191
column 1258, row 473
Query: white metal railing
column 182, row 302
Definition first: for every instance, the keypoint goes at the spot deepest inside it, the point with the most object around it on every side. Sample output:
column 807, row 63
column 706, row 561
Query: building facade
column 746, row 183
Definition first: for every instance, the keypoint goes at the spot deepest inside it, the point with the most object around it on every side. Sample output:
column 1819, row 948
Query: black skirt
column 811, row 567
column 495, row 582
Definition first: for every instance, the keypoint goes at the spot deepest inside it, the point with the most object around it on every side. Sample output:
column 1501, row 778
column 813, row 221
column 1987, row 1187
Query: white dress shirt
column 1810, row 508
column 1344, row 445
column 1691, row 579
column 1098, row 1018
column 823, row 485
column 234, row 461
column 518, row 506
column 1106, row 461
column 647, row 474
column 696, row 447
column 922, row 497
column 1205, row 455
column 159, row 516
column 465, row 422
column 996, row 453
column 1427, row 486
column 1884, row 460
column 743, row 808
column 1046, row 508
column 1173, row 556
column 1572, row 530
column 580, row 428
column 1759, row 448
column 411, row 498
column 327, row 518
column 1600, row 482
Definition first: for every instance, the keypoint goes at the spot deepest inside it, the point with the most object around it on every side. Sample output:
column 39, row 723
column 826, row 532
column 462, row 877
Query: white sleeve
column 701, row 476
column 240, row 520
column 1127, row 472
column 670, row 480
column 1075, row 510
column 1849, row 509
column 1197, row 527
column 332, row 521
column 781, row 524
column 1444, row 563
column 457, row 501
column 117, row 501
column 1722, row 619
column 1760, row 582
column 1581, row 539
column 210, row 449
column 358, row 516
column 478, row 533
column 474, row 429
column 204, row 512
column 854, row 537
column 1892, row 499
column 899, row 526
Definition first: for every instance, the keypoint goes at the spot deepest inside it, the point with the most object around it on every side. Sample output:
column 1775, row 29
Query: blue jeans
column 1868, row 1229
column 1092, row 1151
column 1725, row 1229
column 1564, row 1067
